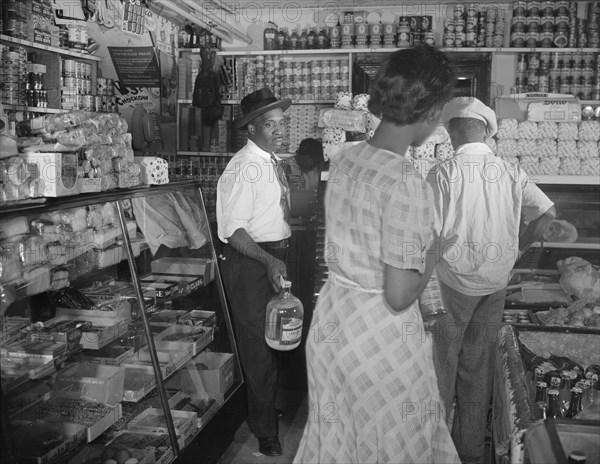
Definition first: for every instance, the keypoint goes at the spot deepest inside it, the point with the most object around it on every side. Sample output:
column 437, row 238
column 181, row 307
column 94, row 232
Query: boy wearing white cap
column 479, row 201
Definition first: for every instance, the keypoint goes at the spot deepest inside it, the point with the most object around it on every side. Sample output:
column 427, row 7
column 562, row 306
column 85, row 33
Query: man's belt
column 285, row 243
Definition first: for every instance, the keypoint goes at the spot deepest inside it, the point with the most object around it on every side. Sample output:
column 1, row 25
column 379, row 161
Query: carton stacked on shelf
column 301, row 122
column 550, row 148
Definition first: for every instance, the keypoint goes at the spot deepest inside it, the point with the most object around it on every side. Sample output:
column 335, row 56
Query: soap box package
column 58, row 172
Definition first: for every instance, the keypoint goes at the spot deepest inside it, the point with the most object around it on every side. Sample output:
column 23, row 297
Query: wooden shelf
column 590, row 102
column 186, row 101
column 203, row 153
column 566, row 180
column 38, row 46
column 32, row 109
column 569, row 246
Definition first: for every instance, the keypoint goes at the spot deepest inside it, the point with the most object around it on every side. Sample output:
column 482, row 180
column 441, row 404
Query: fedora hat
column 256, row 103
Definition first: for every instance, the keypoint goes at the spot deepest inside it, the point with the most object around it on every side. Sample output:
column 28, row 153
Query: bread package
column 425, row 151
column 352, row 121
column 360, row 102
column 568, row 131
column 343, row 101
column 154, row 170
column 549, row 166
column 566, row 149
column 13, row 227
column 589, row 131
column 444, row 151
column 570, row 167
column 548, row 148
column 527, row 130
column 507, row 148
column 334, row 135
column 491, row 142
column 527, row 148
column 530, row 164
column 561, row 231
column 507, row 129
column 548, row 130
column 590, row 167
column 587, row 150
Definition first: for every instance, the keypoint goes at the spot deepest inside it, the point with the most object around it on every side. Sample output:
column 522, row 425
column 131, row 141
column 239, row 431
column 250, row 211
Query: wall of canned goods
column 575, row 73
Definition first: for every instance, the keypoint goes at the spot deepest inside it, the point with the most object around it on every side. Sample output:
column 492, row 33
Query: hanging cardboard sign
column 136, row 66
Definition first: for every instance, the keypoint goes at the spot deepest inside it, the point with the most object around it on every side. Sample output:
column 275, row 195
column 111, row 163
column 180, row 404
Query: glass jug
column 284, row 319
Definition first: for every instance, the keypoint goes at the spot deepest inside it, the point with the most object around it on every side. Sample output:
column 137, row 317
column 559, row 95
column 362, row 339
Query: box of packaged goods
column 112, row 354
column 58, row 171
column 199, row 337
column 216, row 371
column 58, row 330
column 185, row 266
column 168, row 285
column 43, row 442
column 108, row 453
column 99, row 382
column 169, row 361
column 158, row 443
column 11, row 328
column 111, row 309
column 199, row 318
column 154, row 421
column 167, row 316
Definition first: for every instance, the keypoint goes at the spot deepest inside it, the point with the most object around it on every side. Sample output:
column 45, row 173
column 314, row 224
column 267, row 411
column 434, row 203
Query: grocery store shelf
column 346, row 51
column 576, row 245
column 39, row 46
column 203, row 153
column 567, row 180
column 590, row 102
column 187, row 101
column 32, row 109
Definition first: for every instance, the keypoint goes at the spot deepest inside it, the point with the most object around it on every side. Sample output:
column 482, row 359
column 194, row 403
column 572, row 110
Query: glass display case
column 116, row 337
column 549, row 282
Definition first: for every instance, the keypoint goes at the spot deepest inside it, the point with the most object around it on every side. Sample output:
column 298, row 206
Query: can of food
column 560, row 39
column 459, row 39
column 87, row 103
column 519, row 8
column 112, row 104
column 587, row 75
column 533, row 24
column 429, row 38
column 31, row 99
column 533, row 8
column 472, row 10
column 547, row 24
column 98, row 103
column 70, row 85
column 532, row 39
column 415, row 23
column 576, row 75
column 561, row 8
column 543, row 83
column 586, row 91
column 459, row 11
column 69, row 68
column 582, row 40
column 546, row 39
column 520, row 80
column 449, row 25
column 101, row 86
column 426, row 24
column 518, row 23
column 459, row 26
column 547, row 8
column 404, row 39
column 404, row 21
column 517, row 39
column 561, row 24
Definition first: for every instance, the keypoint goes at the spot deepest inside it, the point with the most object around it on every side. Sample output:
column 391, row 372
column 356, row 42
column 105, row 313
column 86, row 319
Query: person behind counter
column 479, row 201
column 372, row 386
column 303, row 171
column 253, row 222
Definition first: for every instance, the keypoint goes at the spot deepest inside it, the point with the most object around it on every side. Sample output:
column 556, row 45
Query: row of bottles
column 315, row 37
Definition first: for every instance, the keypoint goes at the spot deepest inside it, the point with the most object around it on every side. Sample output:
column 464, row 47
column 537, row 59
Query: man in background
column 253, row 222
column 479, row 203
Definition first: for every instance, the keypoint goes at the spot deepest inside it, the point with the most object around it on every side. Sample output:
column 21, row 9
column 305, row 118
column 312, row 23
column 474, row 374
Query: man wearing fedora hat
column 253, row 223
column 480, row 200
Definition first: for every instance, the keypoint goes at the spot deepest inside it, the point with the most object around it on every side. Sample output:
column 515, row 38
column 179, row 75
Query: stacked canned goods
column 78, row 38
column 15, row 19
column 566, row 73
column 37, row 96
column 555, row 24
column 297, row 80
column 13, row 75
column 105, row 99
column 474, row 25
column 76, row 84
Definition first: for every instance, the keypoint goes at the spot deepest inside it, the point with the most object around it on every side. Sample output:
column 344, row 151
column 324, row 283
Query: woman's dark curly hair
column 410, row 84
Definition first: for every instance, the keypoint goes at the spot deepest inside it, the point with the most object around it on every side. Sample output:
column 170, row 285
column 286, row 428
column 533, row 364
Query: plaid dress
column 372, row 387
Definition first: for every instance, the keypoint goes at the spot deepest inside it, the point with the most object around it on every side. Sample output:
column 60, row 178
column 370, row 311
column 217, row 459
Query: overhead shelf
column 570, row 246
column 32, row 109
column 39, row 46
column 567, row 180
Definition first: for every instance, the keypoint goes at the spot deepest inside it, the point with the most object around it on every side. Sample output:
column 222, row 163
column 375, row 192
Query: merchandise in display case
column 116, row 336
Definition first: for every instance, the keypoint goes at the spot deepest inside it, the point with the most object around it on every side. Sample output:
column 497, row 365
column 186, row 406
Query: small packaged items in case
column 548, row 130
column 507, row 129
column 352, row 121
column 528, row 130
column 154, row 170
column 589, row 131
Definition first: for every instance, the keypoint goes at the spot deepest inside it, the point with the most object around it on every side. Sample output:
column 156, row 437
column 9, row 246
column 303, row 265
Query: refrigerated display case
column 116, row 335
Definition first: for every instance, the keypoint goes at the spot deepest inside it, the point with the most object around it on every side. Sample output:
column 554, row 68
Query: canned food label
column 517, row 39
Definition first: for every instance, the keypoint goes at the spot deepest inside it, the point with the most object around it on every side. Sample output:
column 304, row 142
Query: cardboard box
column 167, row 316
column 57, row 170
column 93, row 453
column 112, row 354
column 96, row 332
column 199, row 337
column 169, row 361
column 169, row 285
column 108, row 309
column 220, row 373
column 154, row 421
column 139, row 381
column 160, row 443
column 100, row 382
column 185, row 266
column 199, row 318
column 72, row 437
column 546, row 107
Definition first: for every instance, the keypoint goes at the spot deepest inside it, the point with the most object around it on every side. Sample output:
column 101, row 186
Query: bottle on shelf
column 311, row 39
column 284, row 319
column 280, row 44
column 554, row 410
column 270, row 37
column 575, row 403
column 303, row 39
column 322, row 39
column 335, row 36
column 294, row 39
column 286, row 38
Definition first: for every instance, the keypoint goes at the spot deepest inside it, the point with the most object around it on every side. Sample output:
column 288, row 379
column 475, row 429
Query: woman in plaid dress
column 372, row 387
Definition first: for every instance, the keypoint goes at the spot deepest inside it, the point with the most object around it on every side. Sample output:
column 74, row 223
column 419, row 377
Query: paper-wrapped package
column 11, row 268
column 568, row 131
column 343, row 101
column 444, row 151
column 561, row 231
column 351, row 121
column 527, row 148
column 587, row 150
column 372, row 122
column 334, row 135
column 548, row 130
column 548, row 148
column 154, row 170
column 590, row 167
column 13, row 227
column 589, row 131
column 531, row 164
column 491, row 142
column 424, row 152
column 527, row 130
column 360, row 102
column 566, row 149
column 38, row 280
column 570, row 167
column 507, row 129
column 549, row 166
column 507, row 148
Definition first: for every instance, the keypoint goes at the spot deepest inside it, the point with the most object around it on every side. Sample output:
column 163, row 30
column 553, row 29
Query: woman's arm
column 401, row 287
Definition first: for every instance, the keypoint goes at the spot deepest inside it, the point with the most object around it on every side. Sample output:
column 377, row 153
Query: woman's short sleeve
column 406, row 232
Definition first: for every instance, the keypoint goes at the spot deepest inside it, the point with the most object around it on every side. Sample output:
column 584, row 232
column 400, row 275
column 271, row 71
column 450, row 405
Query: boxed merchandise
column 111, row 309
column 96, row 332
column 199, row 337
column 153, row 421
column 139, row 381
column 167, row 316
column 11, row 328
column 216, row 371
column 20, row 368
column 101, row 383
column 57, row 170
column 538, row 107
column 159, row 443
column 112, row 354
column 199, row 318
column 45, row 442
column 167, row 285
column 185, row 266
column 169, row 361
column 352, row 121
column 95, row 453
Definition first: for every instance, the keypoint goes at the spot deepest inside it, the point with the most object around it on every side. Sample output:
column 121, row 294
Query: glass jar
column 284, row 319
